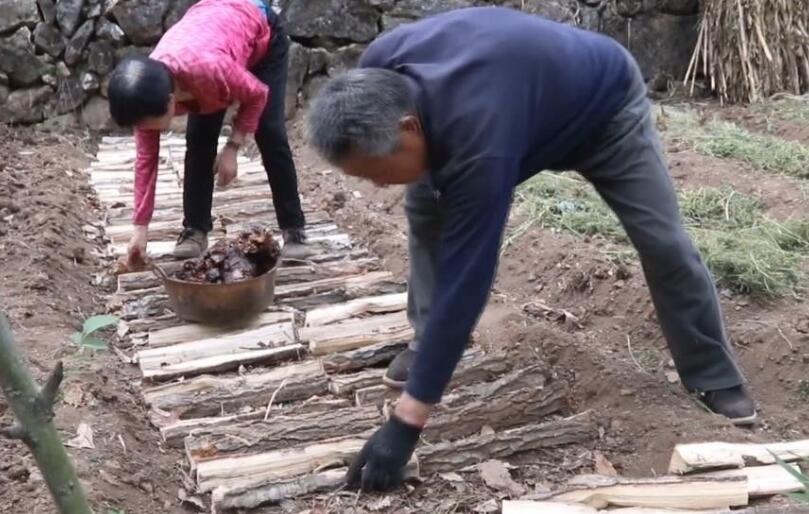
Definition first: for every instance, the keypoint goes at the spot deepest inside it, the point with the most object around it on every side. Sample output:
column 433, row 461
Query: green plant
column 85, row 339
column 803, row 390
column 746, row 251
column 803, row 478
column 723, row 139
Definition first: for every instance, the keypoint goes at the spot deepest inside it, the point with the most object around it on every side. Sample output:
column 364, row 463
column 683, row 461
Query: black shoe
column 396, row 375
column 733, row 403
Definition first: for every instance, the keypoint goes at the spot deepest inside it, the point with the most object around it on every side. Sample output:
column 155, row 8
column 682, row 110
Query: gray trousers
column 626, row 165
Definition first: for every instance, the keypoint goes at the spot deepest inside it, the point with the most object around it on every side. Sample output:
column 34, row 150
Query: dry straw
column 749, row 50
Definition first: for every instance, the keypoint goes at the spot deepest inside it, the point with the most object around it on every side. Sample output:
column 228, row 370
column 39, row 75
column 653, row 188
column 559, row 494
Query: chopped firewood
column 370, row 305
column 688, row 458
column 454, row 455
column 346, row 385
column 224, row 498
column 549, row 507
column 174, row 431
column 763, row 480
column 279, row 431
column 518, row 398
column 218, row 395
column 356, row 333
column 193, row 332
column 270, row 343
column 367, row 356
column 658, row 493
column 262, row 468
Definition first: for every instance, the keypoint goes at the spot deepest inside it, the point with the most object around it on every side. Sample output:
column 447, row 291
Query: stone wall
column 55, row 55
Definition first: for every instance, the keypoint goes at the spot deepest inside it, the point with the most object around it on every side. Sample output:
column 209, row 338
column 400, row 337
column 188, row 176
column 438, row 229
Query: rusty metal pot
column 219, row 304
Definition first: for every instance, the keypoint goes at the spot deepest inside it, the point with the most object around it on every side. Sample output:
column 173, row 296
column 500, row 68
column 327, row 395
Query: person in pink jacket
column 220, row 53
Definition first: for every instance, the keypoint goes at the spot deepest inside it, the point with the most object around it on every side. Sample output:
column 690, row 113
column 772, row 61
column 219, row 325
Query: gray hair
column 359, row 111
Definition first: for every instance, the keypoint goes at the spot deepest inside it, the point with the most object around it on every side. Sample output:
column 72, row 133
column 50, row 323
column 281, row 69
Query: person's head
column 141, row 94
column 364, row 122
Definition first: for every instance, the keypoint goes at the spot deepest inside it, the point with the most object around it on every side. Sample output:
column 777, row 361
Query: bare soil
column 47, row 289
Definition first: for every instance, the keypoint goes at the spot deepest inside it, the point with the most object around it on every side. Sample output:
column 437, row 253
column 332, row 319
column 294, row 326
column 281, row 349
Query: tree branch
column 15, row 431
column 47, row 396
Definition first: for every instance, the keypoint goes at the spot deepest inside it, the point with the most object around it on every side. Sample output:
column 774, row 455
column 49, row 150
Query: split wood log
column 174, row 431
column 374, row 279
column 367, row 356
column 346, row 385
column 271, row 343
column 146, row 279
column 688, row 458
column 356, row 333
column 217, row 395
column 475, row 367
column 33, row 410
column 193, row 331
column 251, row 470
column 762, row 480
column 655, row 493
column 371, row 305
column 454, row 455
column 548, row 507
column 223, row 498
column 276, row 433
column 155, row 323
column 519, row 398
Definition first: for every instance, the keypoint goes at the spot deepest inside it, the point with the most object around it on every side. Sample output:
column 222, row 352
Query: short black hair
column 139, row 87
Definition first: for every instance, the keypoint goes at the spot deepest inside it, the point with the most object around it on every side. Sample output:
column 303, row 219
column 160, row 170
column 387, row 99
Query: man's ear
column 411, row 123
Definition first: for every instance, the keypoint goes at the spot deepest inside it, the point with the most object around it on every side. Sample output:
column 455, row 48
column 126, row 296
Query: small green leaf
column 77, row 338
column 803, row 479
column 95, row 323
column 95, row 344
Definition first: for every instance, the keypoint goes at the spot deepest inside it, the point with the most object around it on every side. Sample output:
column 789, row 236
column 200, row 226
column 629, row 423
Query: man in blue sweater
column 464, row 106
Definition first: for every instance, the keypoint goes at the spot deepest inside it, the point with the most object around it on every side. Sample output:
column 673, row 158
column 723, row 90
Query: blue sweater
column 501, row 96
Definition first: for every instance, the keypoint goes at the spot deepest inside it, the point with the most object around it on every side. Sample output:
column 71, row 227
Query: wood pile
column 749, row 50
column 277, row 407
column 704, row 477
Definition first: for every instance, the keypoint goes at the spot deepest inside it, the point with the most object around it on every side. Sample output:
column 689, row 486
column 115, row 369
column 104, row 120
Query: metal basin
column 219, row 304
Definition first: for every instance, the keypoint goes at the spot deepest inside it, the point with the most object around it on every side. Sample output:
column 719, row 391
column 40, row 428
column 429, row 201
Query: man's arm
column 476, row 204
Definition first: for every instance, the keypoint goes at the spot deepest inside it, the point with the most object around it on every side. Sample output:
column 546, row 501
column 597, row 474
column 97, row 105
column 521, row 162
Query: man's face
column 404, row 166
column 160, row 123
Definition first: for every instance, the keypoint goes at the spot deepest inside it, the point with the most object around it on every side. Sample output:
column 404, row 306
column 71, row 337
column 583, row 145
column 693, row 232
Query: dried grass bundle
column 752, row 49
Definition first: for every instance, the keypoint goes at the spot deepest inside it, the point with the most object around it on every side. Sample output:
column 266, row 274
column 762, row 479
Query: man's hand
column 380, row 464
column 226, row 167
column 136, row 249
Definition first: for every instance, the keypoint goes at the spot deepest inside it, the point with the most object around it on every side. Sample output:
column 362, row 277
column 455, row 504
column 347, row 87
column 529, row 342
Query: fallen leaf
column 486, row 430
column 487, row 506
column 184, row 497
column 123, row 329
column 672, row 377
column 83, row 439
column 73, row 394
column 603, row 466
column 451, row 477
column 381, row 504
column 495, row 475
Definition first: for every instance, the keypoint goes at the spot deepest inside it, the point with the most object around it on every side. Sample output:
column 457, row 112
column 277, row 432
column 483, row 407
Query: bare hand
column 136, row 249
column 226, row 166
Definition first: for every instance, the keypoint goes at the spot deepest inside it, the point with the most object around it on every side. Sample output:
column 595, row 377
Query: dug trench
column 558, row 298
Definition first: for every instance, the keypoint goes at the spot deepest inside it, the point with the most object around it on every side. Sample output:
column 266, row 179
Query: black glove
column 381, row 462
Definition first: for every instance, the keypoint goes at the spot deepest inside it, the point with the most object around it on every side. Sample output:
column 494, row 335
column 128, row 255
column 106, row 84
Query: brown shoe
column 191, row 244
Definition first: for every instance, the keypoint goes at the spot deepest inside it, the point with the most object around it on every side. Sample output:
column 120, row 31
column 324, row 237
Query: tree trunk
column 33, row 408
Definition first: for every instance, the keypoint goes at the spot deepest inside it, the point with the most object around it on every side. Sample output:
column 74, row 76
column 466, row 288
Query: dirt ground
column 610, row 350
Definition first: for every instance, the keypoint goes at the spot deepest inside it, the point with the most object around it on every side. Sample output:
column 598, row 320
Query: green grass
column 803, row 390
column 788, row 109
column 746, row 251
column 726, row 140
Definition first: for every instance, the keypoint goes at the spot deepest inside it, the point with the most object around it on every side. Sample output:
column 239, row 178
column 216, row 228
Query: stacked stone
column 56, row 55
